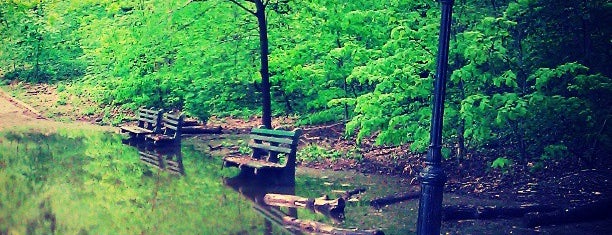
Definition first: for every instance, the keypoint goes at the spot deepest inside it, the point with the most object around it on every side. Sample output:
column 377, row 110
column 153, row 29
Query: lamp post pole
column 433, row 176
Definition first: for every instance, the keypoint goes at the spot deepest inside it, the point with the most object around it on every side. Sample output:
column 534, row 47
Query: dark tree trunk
column 266, row 118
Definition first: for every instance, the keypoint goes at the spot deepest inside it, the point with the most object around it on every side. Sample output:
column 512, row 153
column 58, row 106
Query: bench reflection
column 255, row 190
column 169, row 158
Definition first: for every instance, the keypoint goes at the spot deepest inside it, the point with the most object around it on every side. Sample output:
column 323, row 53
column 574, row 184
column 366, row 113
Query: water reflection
column 255, row 190
column 279, row 216
column 168, row 158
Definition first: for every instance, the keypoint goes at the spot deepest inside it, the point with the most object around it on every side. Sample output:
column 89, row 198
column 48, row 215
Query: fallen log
column 191, row 122
column 321, row 228
column 201, row 130
column 395, row 198
column 322, row 204
column 461, row 212
column 589, row 212
column 348, row 194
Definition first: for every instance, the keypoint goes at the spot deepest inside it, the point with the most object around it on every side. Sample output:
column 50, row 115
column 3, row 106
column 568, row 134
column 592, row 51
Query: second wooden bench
column 173, row 123
column 268, row 147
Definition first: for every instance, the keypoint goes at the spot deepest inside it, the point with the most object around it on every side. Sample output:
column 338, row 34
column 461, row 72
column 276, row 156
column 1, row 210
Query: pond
column 87, row 182
column 90, row 182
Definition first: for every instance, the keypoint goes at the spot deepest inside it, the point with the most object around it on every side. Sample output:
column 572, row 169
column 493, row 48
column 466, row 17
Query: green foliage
column 554, row 152
column 38, row 37
column 321, row 117
column 525, row 74
column 502, row 163
column 312, row 152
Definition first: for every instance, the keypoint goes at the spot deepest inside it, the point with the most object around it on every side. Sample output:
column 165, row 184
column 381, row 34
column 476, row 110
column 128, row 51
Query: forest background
column 530, row 79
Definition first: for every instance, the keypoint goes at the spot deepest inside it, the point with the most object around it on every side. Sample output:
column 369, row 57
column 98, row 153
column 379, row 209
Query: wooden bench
column 172, row 125
column 149, row 122
column 268, row 146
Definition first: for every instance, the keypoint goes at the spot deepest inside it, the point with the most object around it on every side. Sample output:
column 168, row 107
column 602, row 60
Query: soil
column 564, row 182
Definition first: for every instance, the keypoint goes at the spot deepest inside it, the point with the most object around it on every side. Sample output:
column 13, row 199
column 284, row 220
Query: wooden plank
column 270, row 148
column 273, row 132
column 135, row 130
column 151, row 159
column 171, row 121
column 272, row 139
column 251, row 162
column 148, row 116
column 159, row 137
column 153, row 121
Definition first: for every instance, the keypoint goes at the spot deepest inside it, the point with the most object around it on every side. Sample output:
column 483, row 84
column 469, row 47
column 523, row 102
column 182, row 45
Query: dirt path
column 15, row 114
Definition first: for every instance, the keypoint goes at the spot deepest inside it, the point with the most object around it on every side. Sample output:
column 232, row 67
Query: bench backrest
column 150, row 119
column 173, row 123
column 268, row 144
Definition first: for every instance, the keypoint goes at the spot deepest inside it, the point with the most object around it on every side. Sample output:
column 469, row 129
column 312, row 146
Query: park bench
column 149, row 122
column 172, row 125
column 268, row 148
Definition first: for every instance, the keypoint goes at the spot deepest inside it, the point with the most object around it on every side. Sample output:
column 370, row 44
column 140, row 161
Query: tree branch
column 243, row 7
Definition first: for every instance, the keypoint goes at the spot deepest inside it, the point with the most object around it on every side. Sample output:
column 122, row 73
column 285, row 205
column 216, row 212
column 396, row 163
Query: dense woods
column 529, row 78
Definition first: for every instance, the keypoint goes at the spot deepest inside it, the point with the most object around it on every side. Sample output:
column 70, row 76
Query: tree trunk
column 266, row 118
column 37, row 60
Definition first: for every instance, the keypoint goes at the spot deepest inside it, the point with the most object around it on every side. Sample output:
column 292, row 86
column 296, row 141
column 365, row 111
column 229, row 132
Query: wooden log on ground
column 321, row 228
column 348, row 194
column 322, row 204
column 202, row 130
column 592, row 211
column 191, row 122
column 461, row 212
column 395, row 198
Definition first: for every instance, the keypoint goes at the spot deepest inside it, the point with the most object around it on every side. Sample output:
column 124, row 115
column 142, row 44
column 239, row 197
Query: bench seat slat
column 152, row 121
column 270, row 148
column 273, row 132
column 272, row 139
column 136, row 130
column 171, row 121
column 252, row 162
column 148, row 116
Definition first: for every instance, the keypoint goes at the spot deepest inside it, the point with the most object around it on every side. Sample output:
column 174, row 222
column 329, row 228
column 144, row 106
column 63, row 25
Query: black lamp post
column 433, row 176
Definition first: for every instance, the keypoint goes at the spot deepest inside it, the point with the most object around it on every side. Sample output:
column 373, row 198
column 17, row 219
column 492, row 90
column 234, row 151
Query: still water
column 88, row 182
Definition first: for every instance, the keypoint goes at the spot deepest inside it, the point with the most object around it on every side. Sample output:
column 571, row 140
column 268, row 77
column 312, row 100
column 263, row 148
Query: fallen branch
column 322, row 204
column 593, row 211
column 348, row 194
column 191, row 122
column 201, row 130
column 214, row 148
column 321, row 228
column 461, row 212
column 395, row 198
